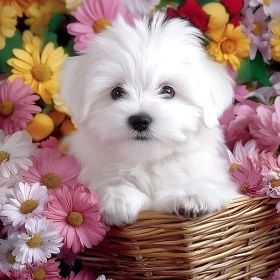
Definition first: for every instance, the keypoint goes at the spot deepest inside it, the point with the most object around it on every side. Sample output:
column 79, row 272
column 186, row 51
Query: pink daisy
column 51, row 143
column 46, row 271
column 75, row 214
column 275, row 275
column 17, row 105
column 52, row 169
column 93, row 17
column 85, row 274
column 265, row 126
column 249, row 178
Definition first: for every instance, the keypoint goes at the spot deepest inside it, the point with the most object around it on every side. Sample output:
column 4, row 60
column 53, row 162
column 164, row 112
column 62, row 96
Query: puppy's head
column 142, row 91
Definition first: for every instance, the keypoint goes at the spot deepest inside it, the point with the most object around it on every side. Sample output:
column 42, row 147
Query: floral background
column 47, row 217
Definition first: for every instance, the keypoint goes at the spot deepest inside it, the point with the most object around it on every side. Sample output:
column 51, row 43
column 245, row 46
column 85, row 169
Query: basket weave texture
column 241, row 241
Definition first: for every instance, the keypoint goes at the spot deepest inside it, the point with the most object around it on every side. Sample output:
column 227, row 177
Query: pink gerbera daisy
column 51, row 142
column 93, row 17
column 46, row 271
column 17, row 105
column 249, row 178
column 75, row 214
column 85, row 274
column 52, row 169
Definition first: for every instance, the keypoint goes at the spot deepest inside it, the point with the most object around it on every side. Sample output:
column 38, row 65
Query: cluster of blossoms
column 46, row 215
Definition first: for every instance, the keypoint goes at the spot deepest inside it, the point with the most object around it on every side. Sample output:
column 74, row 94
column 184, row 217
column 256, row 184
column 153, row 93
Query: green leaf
column 48, row 37
column 164, row 3
column 204, row 2
column 69, row 48
column 11, row 43
column 55, row 22
column 254, row 70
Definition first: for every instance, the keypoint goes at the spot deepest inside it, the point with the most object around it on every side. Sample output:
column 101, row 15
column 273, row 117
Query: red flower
column 233, row 7
column 193, row 11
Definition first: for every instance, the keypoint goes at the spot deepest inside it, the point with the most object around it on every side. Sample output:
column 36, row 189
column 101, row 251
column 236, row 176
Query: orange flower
column 229, row 45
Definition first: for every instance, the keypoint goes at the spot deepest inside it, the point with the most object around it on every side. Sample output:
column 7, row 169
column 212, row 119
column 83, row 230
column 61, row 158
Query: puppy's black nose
column 139, row 122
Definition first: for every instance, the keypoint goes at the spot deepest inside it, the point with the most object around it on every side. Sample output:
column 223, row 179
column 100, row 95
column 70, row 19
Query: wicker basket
column 241, row 241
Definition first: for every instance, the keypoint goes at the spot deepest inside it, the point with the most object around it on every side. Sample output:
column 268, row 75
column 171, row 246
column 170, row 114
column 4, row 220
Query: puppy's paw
column 122, row 204
column 190, row 206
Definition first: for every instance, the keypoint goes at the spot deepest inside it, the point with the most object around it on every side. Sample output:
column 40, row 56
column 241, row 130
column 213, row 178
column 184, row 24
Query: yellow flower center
column 258, row 28
column 228, row 46
column 244, row 188
column 101, row 24
column 266, row 3
column 235, row 167
column 50, row 180
column 4, row 156
column 35, row 241
column 75, row 219
column 39, row 274
column 275, row 183
column 41, row 72
column 28, row 206
column 11, row 258
column 6, row 108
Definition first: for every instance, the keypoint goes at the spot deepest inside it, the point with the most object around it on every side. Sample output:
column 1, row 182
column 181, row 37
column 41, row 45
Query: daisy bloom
column 275, row 41
column 51, row 143
column 85, row 274
column 255, row 27
column 29, row 38
column 25, row 202
column 15, row 151
column 8, row 22
column 53, row 170
column 270, row 7
column 40, row 70
column 228, row 45
column 15, row 5
column 265, row 126
column 249, row 178
column 40, row 241
column 10, row 181
column 43, row 271
column 39, row 14
column 93, row 17
column 17, row 104
column 240, row 153
column 75, row 213
column 141, row 7
column 275, row 275
column 7, row 258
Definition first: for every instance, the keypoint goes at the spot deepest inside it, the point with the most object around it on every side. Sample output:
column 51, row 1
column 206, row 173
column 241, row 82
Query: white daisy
column 141, row 7
column 25, row 201
column 270, row 7
column 9, row 182
column 40, row 241
column 7, row 259
column 15, row 151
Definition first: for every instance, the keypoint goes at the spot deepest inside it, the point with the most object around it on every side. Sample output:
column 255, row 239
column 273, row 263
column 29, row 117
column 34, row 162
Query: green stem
column 47, row 109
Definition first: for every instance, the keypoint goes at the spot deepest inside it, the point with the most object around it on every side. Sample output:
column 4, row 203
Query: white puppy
column 147, row 100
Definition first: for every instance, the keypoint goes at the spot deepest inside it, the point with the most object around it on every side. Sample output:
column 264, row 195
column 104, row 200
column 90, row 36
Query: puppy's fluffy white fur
column 180, row 168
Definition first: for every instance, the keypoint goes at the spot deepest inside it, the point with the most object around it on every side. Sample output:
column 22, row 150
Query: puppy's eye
column 167, row 92
column 118, row 93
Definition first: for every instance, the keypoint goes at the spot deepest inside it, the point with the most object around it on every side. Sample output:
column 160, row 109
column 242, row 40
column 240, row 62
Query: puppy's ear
column 73, row 85
column 216, row 90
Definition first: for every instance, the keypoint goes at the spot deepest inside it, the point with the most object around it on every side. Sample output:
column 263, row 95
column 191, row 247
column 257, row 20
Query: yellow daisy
column 29, row 38
column 40, row 70
column 39, row 14
column 275, row 42
column 14, row 4
column 229, row 45
column 8, row 21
